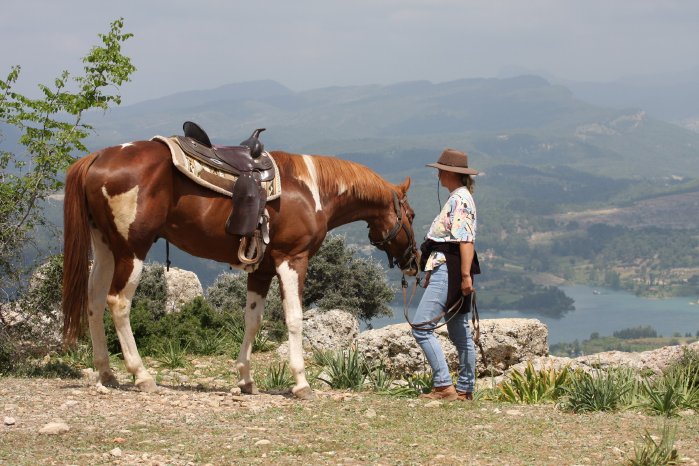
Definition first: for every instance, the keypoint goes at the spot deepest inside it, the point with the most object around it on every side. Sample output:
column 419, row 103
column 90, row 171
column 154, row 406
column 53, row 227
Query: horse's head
column 393, row 232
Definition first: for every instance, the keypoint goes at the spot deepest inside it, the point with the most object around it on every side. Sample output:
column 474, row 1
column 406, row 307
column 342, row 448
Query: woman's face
column 444, row 177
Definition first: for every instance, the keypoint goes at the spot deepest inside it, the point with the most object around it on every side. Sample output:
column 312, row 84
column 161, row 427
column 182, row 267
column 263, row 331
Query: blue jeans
column 432, row 304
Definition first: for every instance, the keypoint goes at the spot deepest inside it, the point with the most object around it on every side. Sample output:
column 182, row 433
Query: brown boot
column 464, row 396
column 446, row 393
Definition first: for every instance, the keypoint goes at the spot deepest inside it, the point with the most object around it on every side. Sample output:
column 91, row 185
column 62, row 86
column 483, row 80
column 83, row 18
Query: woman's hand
column 466, row 285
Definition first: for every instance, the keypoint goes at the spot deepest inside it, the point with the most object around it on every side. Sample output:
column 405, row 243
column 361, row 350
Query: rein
column 430, row 324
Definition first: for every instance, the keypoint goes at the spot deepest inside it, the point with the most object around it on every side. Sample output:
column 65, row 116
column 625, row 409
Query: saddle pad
column 211, row 177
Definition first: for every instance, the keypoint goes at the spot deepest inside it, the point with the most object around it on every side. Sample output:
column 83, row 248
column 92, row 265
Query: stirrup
column 256, row 249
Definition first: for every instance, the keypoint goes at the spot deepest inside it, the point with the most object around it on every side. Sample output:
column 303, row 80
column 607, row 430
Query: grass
column 654, row 452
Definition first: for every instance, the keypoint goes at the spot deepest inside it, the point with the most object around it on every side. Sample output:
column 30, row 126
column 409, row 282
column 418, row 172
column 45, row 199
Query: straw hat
column 453, row 160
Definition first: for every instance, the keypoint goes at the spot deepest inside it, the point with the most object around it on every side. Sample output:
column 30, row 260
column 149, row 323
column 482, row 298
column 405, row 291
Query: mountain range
column 524, row 120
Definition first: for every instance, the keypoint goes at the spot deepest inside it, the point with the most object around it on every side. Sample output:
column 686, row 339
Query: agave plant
column 532, row 386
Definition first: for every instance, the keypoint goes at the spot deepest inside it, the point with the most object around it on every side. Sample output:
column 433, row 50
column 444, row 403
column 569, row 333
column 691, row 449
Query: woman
column 449, row 252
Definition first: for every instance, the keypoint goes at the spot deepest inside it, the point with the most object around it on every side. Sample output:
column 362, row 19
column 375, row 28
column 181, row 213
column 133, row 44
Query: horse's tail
column 76, row 250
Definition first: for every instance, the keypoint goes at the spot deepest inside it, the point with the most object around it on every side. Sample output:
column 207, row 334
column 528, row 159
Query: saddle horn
column 254, row 143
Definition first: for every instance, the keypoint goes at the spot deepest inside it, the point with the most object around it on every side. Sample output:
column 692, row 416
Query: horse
column 121, row 199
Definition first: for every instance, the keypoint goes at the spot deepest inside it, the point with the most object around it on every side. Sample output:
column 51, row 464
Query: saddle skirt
column 212, row 177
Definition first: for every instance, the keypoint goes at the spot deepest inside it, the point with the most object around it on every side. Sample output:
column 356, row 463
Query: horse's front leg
column 292, row 274
column 258, row 286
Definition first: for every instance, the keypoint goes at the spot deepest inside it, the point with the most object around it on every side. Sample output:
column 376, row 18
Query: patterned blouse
column 455, row 223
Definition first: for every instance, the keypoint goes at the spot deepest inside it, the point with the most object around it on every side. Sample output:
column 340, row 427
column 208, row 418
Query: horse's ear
column 405, row 185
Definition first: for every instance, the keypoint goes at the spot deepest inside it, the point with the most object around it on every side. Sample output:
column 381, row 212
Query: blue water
column 603, row 313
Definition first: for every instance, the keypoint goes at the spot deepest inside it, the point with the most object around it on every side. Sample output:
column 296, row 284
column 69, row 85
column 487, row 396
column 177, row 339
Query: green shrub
column 532, row 386
column 653, row 453
column 413, row 385
column 277, row 377
column 342, row 369
column 602, row 391
column 674, row 390
column 172, row 355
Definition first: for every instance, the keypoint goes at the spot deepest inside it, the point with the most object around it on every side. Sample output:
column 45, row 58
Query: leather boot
column 446, row 393
column 464, row 396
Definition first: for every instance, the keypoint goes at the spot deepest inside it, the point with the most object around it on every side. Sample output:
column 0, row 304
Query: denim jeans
column 432, row 304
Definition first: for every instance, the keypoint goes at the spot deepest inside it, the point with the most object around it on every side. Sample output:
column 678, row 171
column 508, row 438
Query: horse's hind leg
column 127, row 272
column 258, row 286
column 98, row 287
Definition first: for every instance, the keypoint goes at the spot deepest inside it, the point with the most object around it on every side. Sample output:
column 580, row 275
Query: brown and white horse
column 119, row 200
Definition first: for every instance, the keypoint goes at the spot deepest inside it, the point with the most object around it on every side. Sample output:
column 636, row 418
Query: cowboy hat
column 453, row 160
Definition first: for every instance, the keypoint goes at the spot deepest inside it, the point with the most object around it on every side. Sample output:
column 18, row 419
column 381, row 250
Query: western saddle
column 252, row 165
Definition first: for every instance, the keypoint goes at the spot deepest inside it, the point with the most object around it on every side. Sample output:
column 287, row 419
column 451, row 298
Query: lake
column 596, row 310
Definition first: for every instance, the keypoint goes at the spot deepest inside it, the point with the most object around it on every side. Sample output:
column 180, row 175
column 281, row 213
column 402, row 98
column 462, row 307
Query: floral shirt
column 455, row 223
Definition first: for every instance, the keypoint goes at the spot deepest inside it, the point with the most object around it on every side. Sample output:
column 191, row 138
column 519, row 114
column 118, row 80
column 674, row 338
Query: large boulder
column 505, row 342
column 326, row 330
column 182, row 287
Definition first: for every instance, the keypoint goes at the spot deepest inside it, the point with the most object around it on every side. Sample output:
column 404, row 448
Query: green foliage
column 602, row 391
column 196, row 326
column 342, row 369
column 337, row 279
column 636, row 332
column 532, row 386
column 277, row 377
column 52, row 130
column 172, row 355
column 677, row 388
column 660, row 453
column 413, row 385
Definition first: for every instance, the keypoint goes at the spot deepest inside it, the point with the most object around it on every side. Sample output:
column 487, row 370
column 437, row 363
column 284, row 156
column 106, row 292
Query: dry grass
column 188, row 423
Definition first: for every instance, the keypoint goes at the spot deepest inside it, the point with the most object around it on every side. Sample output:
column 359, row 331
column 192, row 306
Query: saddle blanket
column 211, row 177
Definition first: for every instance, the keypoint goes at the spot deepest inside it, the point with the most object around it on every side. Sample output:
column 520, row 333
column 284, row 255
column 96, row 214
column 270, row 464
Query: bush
column 659, row 453
column 337, row 279
column 545, row 385
column 601, row 391
column 194, row 327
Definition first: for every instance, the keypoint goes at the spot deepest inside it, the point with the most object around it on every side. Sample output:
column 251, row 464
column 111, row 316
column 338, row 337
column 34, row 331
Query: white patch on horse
column 312, row 182
column 291, row 302
column 126, row 144
column 124, row 207
column 341, row 188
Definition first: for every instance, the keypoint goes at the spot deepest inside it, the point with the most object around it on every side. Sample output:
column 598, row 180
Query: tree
column 51, row 130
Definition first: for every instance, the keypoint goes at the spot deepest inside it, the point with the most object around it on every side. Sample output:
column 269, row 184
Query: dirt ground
column 191, row 424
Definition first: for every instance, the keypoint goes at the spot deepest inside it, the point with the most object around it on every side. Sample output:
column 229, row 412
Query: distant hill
column 524, row 120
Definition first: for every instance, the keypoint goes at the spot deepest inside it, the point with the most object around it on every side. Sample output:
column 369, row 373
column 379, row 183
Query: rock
column 433, row 404
column 54, row 428
column 9, row 421
column 325, row 330
column 116, row 452
column 262, row 442
column 656, row 360
column 505, row 342
column 370, row 413
column 182, row 287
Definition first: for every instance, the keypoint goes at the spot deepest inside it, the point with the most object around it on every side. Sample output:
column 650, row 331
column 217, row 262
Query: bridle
column 410, row 253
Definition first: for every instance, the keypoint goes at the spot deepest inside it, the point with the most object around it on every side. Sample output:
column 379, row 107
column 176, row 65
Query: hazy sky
column 198, row 44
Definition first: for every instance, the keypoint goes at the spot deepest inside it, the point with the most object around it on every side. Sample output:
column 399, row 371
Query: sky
column 190, row 45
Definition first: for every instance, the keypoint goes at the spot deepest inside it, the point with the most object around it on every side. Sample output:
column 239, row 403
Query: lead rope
column 475, row 318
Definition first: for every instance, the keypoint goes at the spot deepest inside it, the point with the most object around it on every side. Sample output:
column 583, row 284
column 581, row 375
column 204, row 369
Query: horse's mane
column 336, row 176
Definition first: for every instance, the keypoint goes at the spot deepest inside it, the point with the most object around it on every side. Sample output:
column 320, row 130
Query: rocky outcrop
column 505, row 343
column 329, row 330
column 182, row 287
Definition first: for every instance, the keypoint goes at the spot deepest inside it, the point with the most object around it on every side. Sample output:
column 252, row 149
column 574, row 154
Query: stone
column 54, row 428
column 505, row 343
column 116, row 452
column 9, row 421
column 325, row 330
column 262, row 442
column 182, row 287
